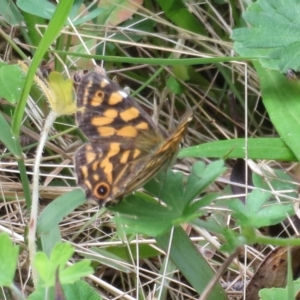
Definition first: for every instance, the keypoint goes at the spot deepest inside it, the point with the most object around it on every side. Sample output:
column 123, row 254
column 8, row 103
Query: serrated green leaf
column 255, row 214
column 137, row 214
column 136, row 211
column 255, row 200
column 61, row 253
column 81, row 290
column 75, row 272
column 45, row 268
column 200, row 178
column 273, row 36
column 238, row 207
column 278, row 181
column 273, row 215
column 195, row 206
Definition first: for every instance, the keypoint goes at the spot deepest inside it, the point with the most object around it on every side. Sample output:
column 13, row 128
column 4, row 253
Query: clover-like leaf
column 61, row 253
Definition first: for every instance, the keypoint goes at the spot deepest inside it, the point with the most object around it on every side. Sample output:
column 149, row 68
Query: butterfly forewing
column 107, row 112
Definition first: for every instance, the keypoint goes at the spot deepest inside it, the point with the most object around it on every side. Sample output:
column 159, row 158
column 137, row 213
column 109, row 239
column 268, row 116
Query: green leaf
column 75, row 272
column 136, row 210
column 6, row 137
column 233, row 241
column 259, row 210
column 58, row 209
column 45, row 268
column 45, row 10
column 8, row 260
column 255, row 200
column 40, row 8
column 273, row 293
column 258, row 148
column 168, row 187
column 279, row 293
column 34, row 35
column 174, row 86
column 253, row 213
column 200, row 178
column 273, row 214
column 278, row 181
column 80, row 290
column 195, row 206
column 10, row 13
column 54, row 213
column 281, row 99
column 90, row 16
column 61, row 253
column 11, row 81
column 273, row 36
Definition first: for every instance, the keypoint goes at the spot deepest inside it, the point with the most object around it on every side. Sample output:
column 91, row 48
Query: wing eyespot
column 101, row 190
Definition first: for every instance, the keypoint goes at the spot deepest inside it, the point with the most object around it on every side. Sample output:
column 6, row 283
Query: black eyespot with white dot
column 101, row 190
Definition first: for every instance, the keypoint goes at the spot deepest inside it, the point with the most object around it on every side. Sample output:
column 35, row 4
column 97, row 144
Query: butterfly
column 125, row 148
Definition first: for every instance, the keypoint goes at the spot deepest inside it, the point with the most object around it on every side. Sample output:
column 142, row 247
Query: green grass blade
column 52, row 31
column 258, row 148
column 281, row 99
column 190, row 262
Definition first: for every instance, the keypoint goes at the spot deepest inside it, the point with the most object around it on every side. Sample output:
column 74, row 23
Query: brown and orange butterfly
column 125, row 149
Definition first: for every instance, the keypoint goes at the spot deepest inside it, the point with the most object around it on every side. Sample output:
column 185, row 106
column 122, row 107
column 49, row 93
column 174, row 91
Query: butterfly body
column 125, row 149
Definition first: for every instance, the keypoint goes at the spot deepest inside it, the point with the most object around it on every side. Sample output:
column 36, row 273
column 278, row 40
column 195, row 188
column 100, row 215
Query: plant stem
column 35, row 193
